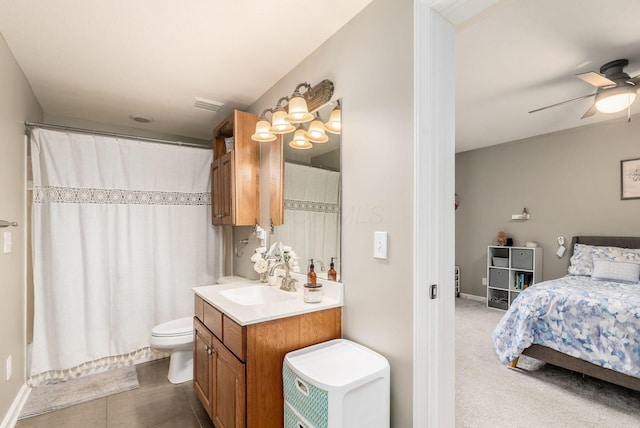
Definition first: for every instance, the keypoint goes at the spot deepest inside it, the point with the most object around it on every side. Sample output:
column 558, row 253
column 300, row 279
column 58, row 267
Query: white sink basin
column 256, row 295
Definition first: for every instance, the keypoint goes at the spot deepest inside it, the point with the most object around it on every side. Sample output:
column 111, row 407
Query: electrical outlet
column 9, row 370
column 484, row 281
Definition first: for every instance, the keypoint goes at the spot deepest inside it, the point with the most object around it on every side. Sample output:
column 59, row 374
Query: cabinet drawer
column 199, row 308
column 212, row 319
column 499, row 278
column 311, row 402
column 235, row 337
column 522, row 259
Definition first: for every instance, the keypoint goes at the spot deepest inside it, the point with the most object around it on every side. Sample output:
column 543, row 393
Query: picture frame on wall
column 630, row 179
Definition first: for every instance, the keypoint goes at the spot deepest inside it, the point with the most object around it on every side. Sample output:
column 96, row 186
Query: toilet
column 176, row 337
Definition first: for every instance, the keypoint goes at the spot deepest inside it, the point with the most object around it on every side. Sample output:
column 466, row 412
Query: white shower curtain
column 311, row 214
column 121, row 232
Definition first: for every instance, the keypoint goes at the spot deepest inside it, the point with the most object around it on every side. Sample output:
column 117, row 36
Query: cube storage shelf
column 509, row 271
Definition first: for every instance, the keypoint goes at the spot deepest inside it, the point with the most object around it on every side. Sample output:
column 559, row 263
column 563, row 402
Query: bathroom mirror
column 312, row 199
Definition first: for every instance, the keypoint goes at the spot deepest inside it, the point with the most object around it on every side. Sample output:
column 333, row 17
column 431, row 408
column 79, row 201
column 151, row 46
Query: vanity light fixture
column 316, row 133
column 300, row 108
column 334, row 124
column 300, row 140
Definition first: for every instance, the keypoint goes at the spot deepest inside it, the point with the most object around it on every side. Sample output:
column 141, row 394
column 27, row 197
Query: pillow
column 616, row 254
column 608, row 270
column 582, row 260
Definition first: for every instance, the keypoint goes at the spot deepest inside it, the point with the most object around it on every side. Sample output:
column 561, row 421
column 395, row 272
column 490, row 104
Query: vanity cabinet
column 235, row 171
column 238, row 369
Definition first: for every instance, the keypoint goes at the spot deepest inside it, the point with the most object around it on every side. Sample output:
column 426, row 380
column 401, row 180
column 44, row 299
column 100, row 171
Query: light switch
column 380, row 245
column 7, row 242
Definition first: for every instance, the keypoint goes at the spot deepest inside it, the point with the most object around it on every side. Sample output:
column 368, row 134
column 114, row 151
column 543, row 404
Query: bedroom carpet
column 47, row 398
column 489, row 394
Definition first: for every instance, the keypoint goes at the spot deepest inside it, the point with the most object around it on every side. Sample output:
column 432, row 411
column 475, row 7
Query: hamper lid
column 336, row 363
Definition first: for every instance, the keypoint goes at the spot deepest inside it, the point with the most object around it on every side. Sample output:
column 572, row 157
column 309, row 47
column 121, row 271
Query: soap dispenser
column 332, row 275
column 311, row 275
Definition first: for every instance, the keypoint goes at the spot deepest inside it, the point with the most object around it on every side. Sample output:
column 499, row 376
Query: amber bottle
column 332, row 275
column 311, row 275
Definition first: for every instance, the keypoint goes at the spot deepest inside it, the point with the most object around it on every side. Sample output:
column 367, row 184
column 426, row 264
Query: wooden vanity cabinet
column 238, row 374
column 235, row 174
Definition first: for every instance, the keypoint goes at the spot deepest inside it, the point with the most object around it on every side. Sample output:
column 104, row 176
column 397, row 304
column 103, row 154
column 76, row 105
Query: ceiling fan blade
column 595, row 79
column 634, row 80
column 563, row 102
column 593, row 110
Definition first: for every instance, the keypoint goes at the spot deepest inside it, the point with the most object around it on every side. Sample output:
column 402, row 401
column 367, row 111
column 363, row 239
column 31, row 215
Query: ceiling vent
column 205, row 104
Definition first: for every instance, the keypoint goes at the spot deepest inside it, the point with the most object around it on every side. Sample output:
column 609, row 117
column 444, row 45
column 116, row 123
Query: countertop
column 333, row 297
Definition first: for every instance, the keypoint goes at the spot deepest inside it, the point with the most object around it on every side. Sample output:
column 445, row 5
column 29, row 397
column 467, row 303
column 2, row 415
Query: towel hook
column 5, row 223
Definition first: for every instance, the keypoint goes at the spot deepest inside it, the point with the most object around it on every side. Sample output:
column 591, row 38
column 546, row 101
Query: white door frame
column 434, row 252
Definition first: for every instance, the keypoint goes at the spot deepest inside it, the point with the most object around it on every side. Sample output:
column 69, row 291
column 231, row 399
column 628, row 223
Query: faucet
column 288, row 283
column 322, row 266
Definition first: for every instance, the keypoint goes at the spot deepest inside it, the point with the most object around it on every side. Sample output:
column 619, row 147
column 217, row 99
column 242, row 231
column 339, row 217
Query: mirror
column 312, row 199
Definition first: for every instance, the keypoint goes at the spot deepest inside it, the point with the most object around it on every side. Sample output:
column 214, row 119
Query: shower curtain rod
column 112, row 134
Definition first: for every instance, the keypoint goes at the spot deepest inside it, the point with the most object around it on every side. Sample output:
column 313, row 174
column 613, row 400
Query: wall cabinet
column 235, row 171
column 238, row 369
column 509, row 271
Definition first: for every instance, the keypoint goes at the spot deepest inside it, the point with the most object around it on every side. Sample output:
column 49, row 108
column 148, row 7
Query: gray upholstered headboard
column 606, row 241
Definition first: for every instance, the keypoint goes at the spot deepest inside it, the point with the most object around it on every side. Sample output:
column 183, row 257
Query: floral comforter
column 596, row 321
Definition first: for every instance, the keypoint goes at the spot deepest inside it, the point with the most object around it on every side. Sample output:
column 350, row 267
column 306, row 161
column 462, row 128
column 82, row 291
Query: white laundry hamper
column 336, row 384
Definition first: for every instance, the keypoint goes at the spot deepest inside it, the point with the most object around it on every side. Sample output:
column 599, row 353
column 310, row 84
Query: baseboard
column 16, row 407
column 473, row 297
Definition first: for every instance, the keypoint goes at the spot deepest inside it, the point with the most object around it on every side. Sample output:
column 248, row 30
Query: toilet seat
column 174, row 328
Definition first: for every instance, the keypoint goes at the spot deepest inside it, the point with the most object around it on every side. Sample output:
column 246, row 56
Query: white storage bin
column 336, row 384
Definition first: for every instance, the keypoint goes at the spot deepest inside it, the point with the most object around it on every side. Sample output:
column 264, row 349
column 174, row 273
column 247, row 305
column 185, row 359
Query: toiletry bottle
column 311, row 275
column 332, row 275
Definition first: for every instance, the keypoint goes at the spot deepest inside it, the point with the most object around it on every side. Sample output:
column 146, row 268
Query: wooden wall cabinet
column 238, row 370
column 235, row 173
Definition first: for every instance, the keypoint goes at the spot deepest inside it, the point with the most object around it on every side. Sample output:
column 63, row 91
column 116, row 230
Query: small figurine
column 502, row 239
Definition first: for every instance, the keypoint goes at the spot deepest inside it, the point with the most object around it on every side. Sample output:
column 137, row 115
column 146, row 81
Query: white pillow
column 608, row 270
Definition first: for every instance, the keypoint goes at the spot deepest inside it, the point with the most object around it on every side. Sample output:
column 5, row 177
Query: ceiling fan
column 615, row 91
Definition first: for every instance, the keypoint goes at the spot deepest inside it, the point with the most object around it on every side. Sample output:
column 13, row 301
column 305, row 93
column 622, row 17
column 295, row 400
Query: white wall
column 370, row 61
column 569, row 181
column 17, row 104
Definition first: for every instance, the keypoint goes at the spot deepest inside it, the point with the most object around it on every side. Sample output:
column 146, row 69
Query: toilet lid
column 178, row 327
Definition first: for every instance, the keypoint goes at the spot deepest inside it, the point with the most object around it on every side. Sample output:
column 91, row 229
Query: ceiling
column 523, row 54
column 107, row 61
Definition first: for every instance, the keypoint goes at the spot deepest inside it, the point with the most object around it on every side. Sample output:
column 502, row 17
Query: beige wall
column 17, row 104
column 370, row 60
column 569, row 181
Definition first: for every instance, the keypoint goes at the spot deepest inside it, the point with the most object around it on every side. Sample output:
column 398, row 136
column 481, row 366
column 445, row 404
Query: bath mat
column 47, row 398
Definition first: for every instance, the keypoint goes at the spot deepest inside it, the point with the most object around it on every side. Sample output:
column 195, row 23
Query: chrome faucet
column 319, row 262
column 288, row 283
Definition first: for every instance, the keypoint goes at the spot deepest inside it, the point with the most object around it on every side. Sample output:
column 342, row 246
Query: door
column 229, row 388
column 202, row 364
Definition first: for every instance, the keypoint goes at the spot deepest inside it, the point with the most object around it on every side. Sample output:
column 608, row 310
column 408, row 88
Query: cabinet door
column 227, row 189
column 222, row 192
column 229, row 390
column 202, row 365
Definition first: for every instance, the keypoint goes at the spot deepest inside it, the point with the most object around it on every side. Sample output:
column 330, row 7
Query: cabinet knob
column 209, row 351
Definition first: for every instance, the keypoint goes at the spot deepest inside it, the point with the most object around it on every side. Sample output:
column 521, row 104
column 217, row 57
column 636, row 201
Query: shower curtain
column 311, row 214
column 121, row 232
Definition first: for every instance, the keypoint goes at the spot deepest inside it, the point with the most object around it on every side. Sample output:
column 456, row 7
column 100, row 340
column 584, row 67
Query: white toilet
column 176, row 337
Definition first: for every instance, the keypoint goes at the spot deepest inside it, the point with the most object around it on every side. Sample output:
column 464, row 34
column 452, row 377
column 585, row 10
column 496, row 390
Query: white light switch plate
column 380, row 245
column 7, row 242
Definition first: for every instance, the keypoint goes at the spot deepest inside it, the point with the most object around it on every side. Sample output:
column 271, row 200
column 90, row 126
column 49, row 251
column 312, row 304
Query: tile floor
column 156, row 403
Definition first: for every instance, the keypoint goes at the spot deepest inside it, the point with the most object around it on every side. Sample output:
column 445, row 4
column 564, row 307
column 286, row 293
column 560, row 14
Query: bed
column 587, row 321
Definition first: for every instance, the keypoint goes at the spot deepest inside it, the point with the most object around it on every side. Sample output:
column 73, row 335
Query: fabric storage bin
column 501, row 261
column 336, row 384
column 522, row 259
column 499, row 278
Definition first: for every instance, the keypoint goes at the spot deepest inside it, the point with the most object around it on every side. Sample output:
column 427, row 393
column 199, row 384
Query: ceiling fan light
column 616, row 99
column 279, row 123
column 263, row 134
column 298, row 111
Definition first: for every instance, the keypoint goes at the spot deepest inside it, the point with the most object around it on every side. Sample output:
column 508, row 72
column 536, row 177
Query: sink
column 256, row 295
